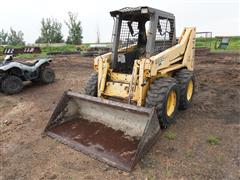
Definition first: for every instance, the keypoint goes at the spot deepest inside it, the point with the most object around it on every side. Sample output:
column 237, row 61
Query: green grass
column 30, row 56
column 1, row 50
column 213, row 140
column 65, row 48
column 170, row 135
column 234, row 44
column 168, row 173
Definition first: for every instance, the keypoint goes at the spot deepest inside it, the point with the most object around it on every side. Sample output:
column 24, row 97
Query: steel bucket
column 112, row 132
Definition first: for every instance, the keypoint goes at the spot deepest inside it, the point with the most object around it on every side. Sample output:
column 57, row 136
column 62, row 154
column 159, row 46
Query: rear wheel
column 164, row 95
column 47, row 75
column 91, row 87
column 186, row 83
column 11, row 85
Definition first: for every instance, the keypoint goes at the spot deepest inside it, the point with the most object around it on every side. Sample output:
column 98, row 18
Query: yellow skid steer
column 135, row 91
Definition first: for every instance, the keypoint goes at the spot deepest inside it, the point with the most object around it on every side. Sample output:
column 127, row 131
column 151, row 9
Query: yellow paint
column 102, row 71
column 134, row 86
column 171, row 102
column 170, row 69
column 176, row 53
column 115, row 89
column 120, row 77
column 133, row 91
column 189, row 90
column 141, row 83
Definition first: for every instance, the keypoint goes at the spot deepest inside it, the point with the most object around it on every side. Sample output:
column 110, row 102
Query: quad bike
column 12, row 73
column 136, row 89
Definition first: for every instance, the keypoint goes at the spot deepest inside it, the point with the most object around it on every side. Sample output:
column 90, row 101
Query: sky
column 222, row 17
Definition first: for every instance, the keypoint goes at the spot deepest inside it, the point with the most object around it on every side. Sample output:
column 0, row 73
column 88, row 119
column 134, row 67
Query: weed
column 150, row 177
column 170, row 135
column 213, row 140
column 189, row 153
column 168, row 173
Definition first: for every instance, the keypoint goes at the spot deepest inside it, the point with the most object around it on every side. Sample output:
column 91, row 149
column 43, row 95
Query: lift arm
column 181, row 55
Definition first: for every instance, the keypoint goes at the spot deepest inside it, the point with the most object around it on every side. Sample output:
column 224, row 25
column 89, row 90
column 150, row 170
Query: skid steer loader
column 135, row 91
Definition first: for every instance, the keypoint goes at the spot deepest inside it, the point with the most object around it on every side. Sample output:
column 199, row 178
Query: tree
column 50, row 31
column 74, row 29
column 15, row 38
column 3, row 37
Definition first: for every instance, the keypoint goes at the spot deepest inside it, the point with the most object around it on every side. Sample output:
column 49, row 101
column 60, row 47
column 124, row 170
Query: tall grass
column 213, row 43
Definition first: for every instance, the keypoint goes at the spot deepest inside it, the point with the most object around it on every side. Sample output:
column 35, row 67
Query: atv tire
column 186, row 83
column 11, row 85
column 35, row 80
column 164, row 95
column 91, row 87
column 47, row 76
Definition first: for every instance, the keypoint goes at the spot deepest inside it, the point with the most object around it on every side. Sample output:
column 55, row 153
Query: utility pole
column 98, row 35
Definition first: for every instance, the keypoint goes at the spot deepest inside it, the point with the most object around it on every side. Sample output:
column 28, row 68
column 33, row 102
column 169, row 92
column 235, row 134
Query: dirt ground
column 215, row 112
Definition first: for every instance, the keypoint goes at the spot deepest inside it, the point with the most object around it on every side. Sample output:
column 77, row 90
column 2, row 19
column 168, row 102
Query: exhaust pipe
column 113, row 132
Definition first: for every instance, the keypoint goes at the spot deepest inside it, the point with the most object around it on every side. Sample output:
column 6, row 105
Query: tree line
column 51, row 32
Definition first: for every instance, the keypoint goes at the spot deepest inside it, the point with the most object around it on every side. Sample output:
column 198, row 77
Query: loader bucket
column 112, row 132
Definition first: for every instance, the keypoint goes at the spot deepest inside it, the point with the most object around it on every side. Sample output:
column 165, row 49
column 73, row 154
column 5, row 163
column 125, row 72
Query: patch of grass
column 27, row 56
column 213, row 140
column 64, row 48
column 1, row 50
column 170, row 135
column 189, row 153
column 150, row 177
column 168, row 173
column 234, row 44
column 83, row 47
column 205, row 42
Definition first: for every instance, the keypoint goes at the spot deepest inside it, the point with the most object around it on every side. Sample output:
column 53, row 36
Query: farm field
column 234, row 46
column 203, row 144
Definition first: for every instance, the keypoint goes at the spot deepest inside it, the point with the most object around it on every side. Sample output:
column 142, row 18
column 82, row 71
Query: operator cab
column 140, row 32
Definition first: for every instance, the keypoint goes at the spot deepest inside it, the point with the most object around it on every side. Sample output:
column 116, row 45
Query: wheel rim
column 171, row 102
column 190, row 90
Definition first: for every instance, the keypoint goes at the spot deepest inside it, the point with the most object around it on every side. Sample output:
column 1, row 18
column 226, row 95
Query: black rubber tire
column 91, row 87
column 37, row 80
column 183, row 77
column 11, row 85
column 157, row 96
column 1, row 86
column 47, row 75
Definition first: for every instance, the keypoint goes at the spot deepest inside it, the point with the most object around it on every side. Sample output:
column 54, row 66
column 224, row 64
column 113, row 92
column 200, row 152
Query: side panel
column 189, row 56
column 175, row 54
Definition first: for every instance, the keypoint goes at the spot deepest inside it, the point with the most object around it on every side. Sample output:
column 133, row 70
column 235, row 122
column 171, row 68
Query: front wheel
column 11, row 85
column 91, row 86
column 47, row 76
column 164, row 95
